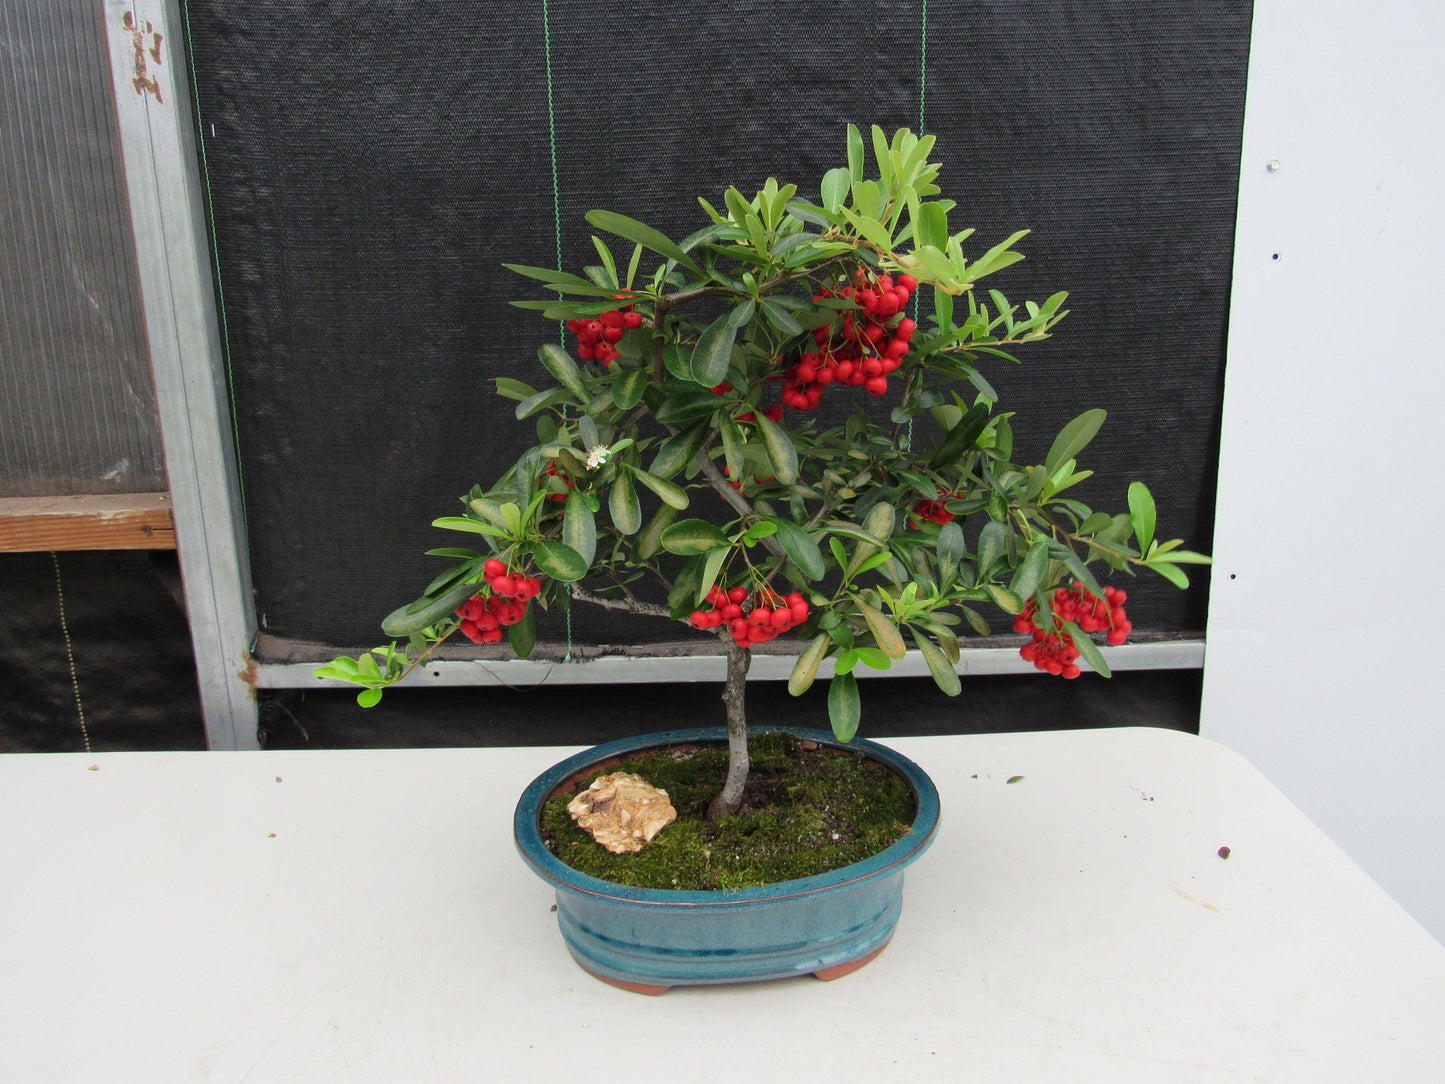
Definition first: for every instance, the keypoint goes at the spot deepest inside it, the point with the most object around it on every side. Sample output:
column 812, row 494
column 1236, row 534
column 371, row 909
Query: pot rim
column 527, row 834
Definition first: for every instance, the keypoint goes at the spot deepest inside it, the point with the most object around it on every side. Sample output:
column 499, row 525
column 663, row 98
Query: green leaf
column 1060, row 552
column 991, row 541
column 678, row 450
column 587, row 430
column 714, row 351
column 560, row 364
column 1088, row 650
column 462, row 523
column 732, row 447
column 1141, row 514
column 508, row 388
column 523, row 635
column 781, row 453
column 844, row 709
column 711, row 565
column 671, row 493
column 1182, row 557
column 950, row 549
column 836, row 183
column 872, row 658
column 880, row 520
column 559, row 561
column 454, row 574
column 541, row 401
column 800, row 547
column 690, row 536
column 628, row 388
column 579, row 527
column 1073, row 439
column 855, row 152
column 884, row 630
column 642, row 234
column 417, row 615
column 649, row 541
column 369, row 698
column 852, row 530
column 623, row 506
column 781, row 319
column 961, row 437
column 1006, row 600
column 685, row 405
column 805, row 670
column 944, row 675
column 1031, row 573
column 560, row 280
column 1172, row 573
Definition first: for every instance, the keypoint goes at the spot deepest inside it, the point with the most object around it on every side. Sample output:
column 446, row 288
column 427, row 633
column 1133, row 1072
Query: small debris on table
column 1015, row 779
column 1223, row 852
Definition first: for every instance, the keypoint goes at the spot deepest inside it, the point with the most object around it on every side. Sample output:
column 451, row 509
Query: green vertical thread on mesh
column 216, row 261
column 556, row 217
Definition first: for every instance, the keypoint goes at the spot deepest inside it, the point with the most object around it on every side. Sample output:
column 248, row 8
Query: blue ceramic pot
column 649, row 939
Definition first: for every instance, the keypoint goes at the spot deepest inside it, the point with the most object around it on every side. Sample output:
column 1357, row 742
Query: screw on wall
column 1272, row 165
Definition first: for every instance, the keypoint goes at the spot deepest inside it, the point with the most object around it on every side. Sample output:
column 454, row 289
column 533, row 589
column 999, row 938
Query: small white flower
column 597, row 456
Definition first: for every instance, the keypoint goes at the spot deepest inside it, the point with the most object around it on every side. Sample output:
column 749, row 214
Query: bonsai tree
column 697, row 370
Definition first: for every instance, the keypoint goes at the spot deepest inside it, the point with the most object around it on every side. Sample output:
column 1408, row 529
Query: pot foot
column 631, row 987
column 828, row 974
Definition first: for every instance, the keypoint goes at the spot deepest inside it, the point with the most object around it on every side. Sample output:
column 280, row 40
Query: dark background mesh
column 371, row 169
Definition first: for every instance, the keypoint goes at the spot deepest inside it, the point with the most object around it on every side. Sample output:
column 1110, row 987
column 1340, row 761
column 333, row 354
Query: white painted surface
column 361, row 915
column 1323, row 660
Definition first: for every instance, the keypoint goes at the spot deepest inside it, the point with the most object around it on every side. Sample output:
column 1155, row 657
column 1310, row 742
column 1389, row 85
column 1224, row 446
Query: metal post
column 158, row 142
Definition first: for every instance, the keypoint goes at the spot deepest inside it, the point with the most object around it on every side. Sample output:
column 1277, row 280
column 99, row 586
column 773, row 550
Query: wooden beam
column 122, row 521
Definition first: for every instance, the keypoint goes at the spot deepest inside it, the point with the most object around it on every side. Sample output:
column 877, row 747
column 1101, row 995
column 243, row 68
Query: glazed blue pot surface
column 657, row 938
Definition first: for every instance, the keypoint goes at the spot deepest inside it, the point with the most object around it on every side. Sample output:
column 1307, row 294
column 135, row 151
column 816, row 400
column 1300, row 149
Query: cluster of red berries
column 936, row 511
column 1055, row 652
column 484, row 616
column 867, row 347
column 770, row 616
column 597, row 337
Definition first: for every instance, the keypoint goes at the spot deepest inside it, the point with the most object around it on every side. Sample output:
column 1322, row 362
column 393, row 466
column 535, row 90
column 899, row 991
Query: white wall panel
column 1324, row 657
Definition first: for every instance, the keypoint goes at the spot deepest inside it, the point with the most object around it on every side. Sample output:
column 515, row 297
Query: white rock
column 622, row 811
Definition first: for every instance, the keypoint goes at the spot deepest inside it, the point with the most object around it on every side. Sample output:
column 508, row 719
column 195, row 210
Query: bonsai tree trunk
column 739, row 658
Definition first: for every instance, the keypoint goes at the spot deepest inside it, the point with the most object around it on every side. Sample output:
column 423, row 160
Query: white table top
column 362, row 915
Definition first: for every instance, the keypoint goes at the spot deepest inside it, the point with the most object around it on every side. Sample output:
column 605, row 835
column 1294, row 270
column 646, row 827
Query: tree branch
column 740, row 504
column 629, row 605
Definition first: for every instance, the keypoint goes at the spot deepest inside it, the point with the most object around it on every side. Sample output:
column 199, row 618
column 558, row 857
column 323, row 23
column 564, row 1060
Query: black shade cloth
column 371, row 166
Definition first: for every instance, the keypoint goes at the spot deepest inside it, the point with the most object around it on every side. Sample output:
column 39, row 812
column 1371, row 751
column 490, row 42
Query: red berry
column 494, row 567
column 738, row 595
column 877, row 385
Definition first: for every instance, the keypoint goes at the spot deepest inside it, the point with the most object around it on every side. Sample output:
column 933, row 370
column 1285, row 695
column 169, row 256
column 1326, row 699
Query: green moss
column 806, row 811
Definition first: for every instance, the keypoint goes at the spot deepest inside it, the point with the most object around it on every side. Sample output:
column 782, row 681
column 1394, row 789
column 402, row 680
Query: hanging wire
column 69, row 651
column 557, row 225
